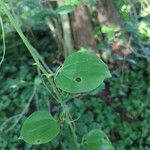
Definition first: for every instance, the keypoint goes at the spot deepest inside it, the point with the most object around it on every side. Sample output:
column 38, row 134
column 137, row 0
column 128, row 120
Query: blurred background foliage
column 120, row 106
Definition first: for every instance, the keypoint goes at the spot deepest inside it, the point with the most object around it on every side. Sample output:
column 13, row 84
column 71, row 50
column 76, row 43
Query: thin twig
column 23, row 112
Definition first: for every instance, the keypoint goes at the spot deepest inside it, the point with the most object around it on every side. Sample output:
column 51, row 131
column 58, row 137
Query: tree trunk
column 82, row 28
column 107, row 13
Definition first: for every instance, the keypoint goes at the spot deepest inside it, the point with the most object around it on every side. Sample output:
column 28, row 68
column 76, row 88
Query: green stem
column 72, row 128
column 43, row 67
column 3, row 38
column 69, row 118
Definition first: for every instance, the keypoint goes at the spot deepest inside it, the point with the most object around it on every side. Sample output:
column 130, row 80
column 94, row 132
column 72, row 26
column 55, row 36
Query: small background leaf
column 40, row 127
column 64, row 9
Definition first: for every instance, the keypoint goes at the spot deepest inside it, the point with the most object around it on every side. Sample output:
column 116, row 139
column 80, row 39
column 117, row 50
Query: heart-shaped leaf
column 98, row 140
column 40, row 127
column 81, row 72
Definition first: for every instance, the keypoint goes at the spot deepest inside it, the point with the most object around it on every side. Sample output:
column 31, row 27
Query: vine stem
column 3, row 37
column 65, row 109
column 44, row 68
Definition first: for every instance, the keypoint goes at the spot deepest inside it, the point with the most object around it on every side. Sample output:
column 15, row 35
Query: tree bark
column 82, row 28
column 107, row 13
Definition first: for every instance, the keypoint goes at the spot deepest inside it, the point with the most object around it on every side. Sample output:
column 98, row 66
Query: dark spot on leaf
column 78, row 79
column 38, row 141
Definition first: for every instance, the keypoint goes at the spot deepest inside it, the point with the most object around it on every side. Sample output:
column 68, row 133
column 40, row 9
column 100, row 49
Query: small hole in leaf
column 78, row 79
column 38, row 141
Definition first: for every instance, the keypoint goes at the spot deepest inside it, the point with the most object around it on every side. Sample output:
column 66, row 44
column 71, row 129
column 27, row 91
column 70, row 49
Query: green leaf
column 81, row 72
column 98, row 140
column 64, row 9
column 40, row 127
